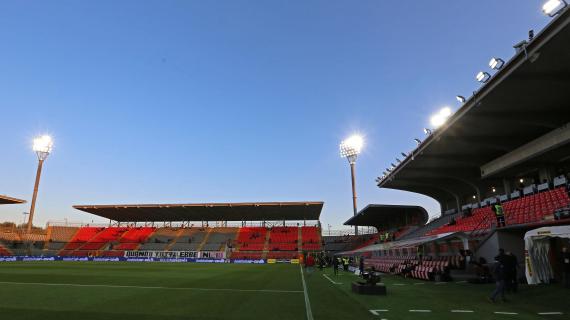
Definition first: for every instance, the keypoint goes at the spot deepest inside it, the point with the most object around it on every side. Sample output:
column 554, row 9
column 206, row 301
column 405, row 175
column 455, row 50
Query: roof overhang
column 386, row 216
column 411, row 243
column 250, row 211
column 10, row 200
column 526, row 99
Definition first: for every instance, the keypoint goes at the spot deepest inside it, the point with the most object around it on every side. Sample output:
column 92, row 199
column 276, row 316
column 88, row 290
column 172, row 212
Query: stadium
column 498, row 168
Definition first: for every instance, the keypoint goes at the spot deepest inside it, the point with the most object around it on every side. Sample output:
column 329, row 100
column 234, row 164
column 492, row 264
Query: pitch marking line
column 419, row 310
column 460, row 281
column 307, row 302
column 376, row 312
column 419, row 283
column 462, row 311
column 549, row 313
column 398, row 284
column 501, row 312
column 142, row 287
column 440, row 283
column 331, row 280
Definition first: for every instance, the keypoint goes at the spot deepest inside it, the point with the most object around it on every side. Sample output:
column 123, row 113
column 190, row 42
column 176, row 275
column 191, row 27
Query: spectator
column 361, row 265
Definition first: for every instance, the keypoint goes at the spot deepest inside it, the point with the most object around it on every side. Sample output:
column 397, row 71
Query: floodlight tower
column 42, row 146
column 350, row 149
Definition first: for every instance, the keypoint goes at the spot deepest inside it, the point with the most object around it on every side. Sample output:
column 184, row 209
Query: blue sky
column 221, row 101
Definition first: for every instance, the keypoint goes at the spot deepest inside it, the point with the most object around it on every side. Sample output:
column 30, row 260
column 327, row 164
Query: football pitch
column 126, row 290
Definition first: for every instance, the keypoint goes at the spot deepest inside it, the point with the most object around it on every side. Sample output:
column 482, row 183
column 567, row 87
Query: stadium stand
column 532, row 208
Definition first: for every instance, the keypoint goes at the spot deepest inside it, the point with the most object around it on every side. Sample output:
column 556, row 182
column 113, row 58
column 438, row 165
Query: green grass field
column 91, row 290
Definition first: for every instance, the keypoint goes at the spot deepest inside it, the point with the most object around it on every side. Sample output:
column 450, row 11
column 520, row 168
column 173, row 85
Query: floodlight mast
column 42, row 147
column 349, row 149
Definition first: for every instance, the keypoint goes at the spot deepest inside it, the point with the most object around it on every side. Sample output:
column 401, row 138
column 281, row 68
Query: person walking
column 499, row 275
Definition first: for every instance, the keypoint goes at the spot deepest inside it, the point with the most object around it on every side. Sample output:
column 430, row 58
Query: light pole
column 42, row 147
column 350, row 149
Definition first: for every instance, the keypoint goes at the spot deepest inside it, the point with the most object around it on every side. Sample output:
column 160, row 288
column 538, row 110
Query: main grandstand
column 276, row 230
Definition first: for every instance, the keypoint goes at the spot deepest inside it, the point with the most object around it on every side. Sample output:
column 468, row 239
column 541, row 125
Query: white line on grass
column 440, row 282
column 549, row 313
column 331, row 280
column 399, row 284
column 461, row 281
column 376, row 311
column 307, row 303
column 419, row 283
column 419, row 310
column 462, row 311
column 145, row 287
column 501, row 312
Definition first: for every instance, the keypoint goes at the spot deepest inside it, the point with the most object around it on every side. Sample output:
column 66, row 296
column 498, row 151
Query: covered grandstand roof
column 491, row 136
column 409, row 243
column 10, row 200
column 385, row 216
column 249, row 211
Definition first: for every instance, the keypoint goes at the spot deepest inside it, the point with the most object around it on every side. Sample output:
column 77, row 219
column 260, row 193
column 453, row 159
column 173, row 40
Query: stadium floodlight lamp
column 496, row 63
column 494, row 190
column 461, row 99
column 398, row 160
column 418, row 141
column 393, row 165
column 384, row 173
column 427, row 131
column 553, row 7
column 388, row 169
column 351, row 147
column 438, row 119
column 483, row 76
column 42, row 146
column 474, row 197
column 404, row 154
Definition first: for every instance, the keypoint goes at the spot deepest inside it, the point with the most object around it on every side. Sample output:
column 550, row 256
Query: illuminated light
column 521, row 180
column 418, row 141
column 461, row 99
column 483, row 76
column 474, row 197
column 43, row 144
column 427, row 131
column 496, row 63
column 494, row 190
column 440, row 118
column 553, row 7
column 351, row 147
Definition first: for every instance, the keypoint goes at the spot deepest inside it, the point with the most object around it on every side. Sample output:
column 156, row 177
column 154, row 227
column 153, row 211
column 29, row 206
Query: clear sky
column 222, row 101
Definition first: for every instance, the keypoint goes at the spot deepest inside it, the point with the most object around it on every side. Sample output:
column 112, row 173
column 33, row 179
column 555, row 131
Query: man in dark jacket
column 499, row 274
column 511, row 265
column 566, row 267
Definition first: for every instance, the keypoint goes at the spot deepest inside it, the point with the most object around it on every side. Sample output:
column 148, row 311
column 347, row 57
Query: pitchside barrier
column 149, row 259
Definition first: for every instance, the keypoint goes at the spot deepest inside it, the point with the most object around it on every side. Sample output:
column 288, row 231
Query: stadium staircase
column 205, row 240
column 173, row 242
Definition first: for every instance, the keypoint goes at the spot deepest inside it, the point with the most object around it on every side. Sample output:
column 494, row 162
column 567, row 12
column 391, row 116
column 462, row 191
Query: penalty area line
column 146, row 287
